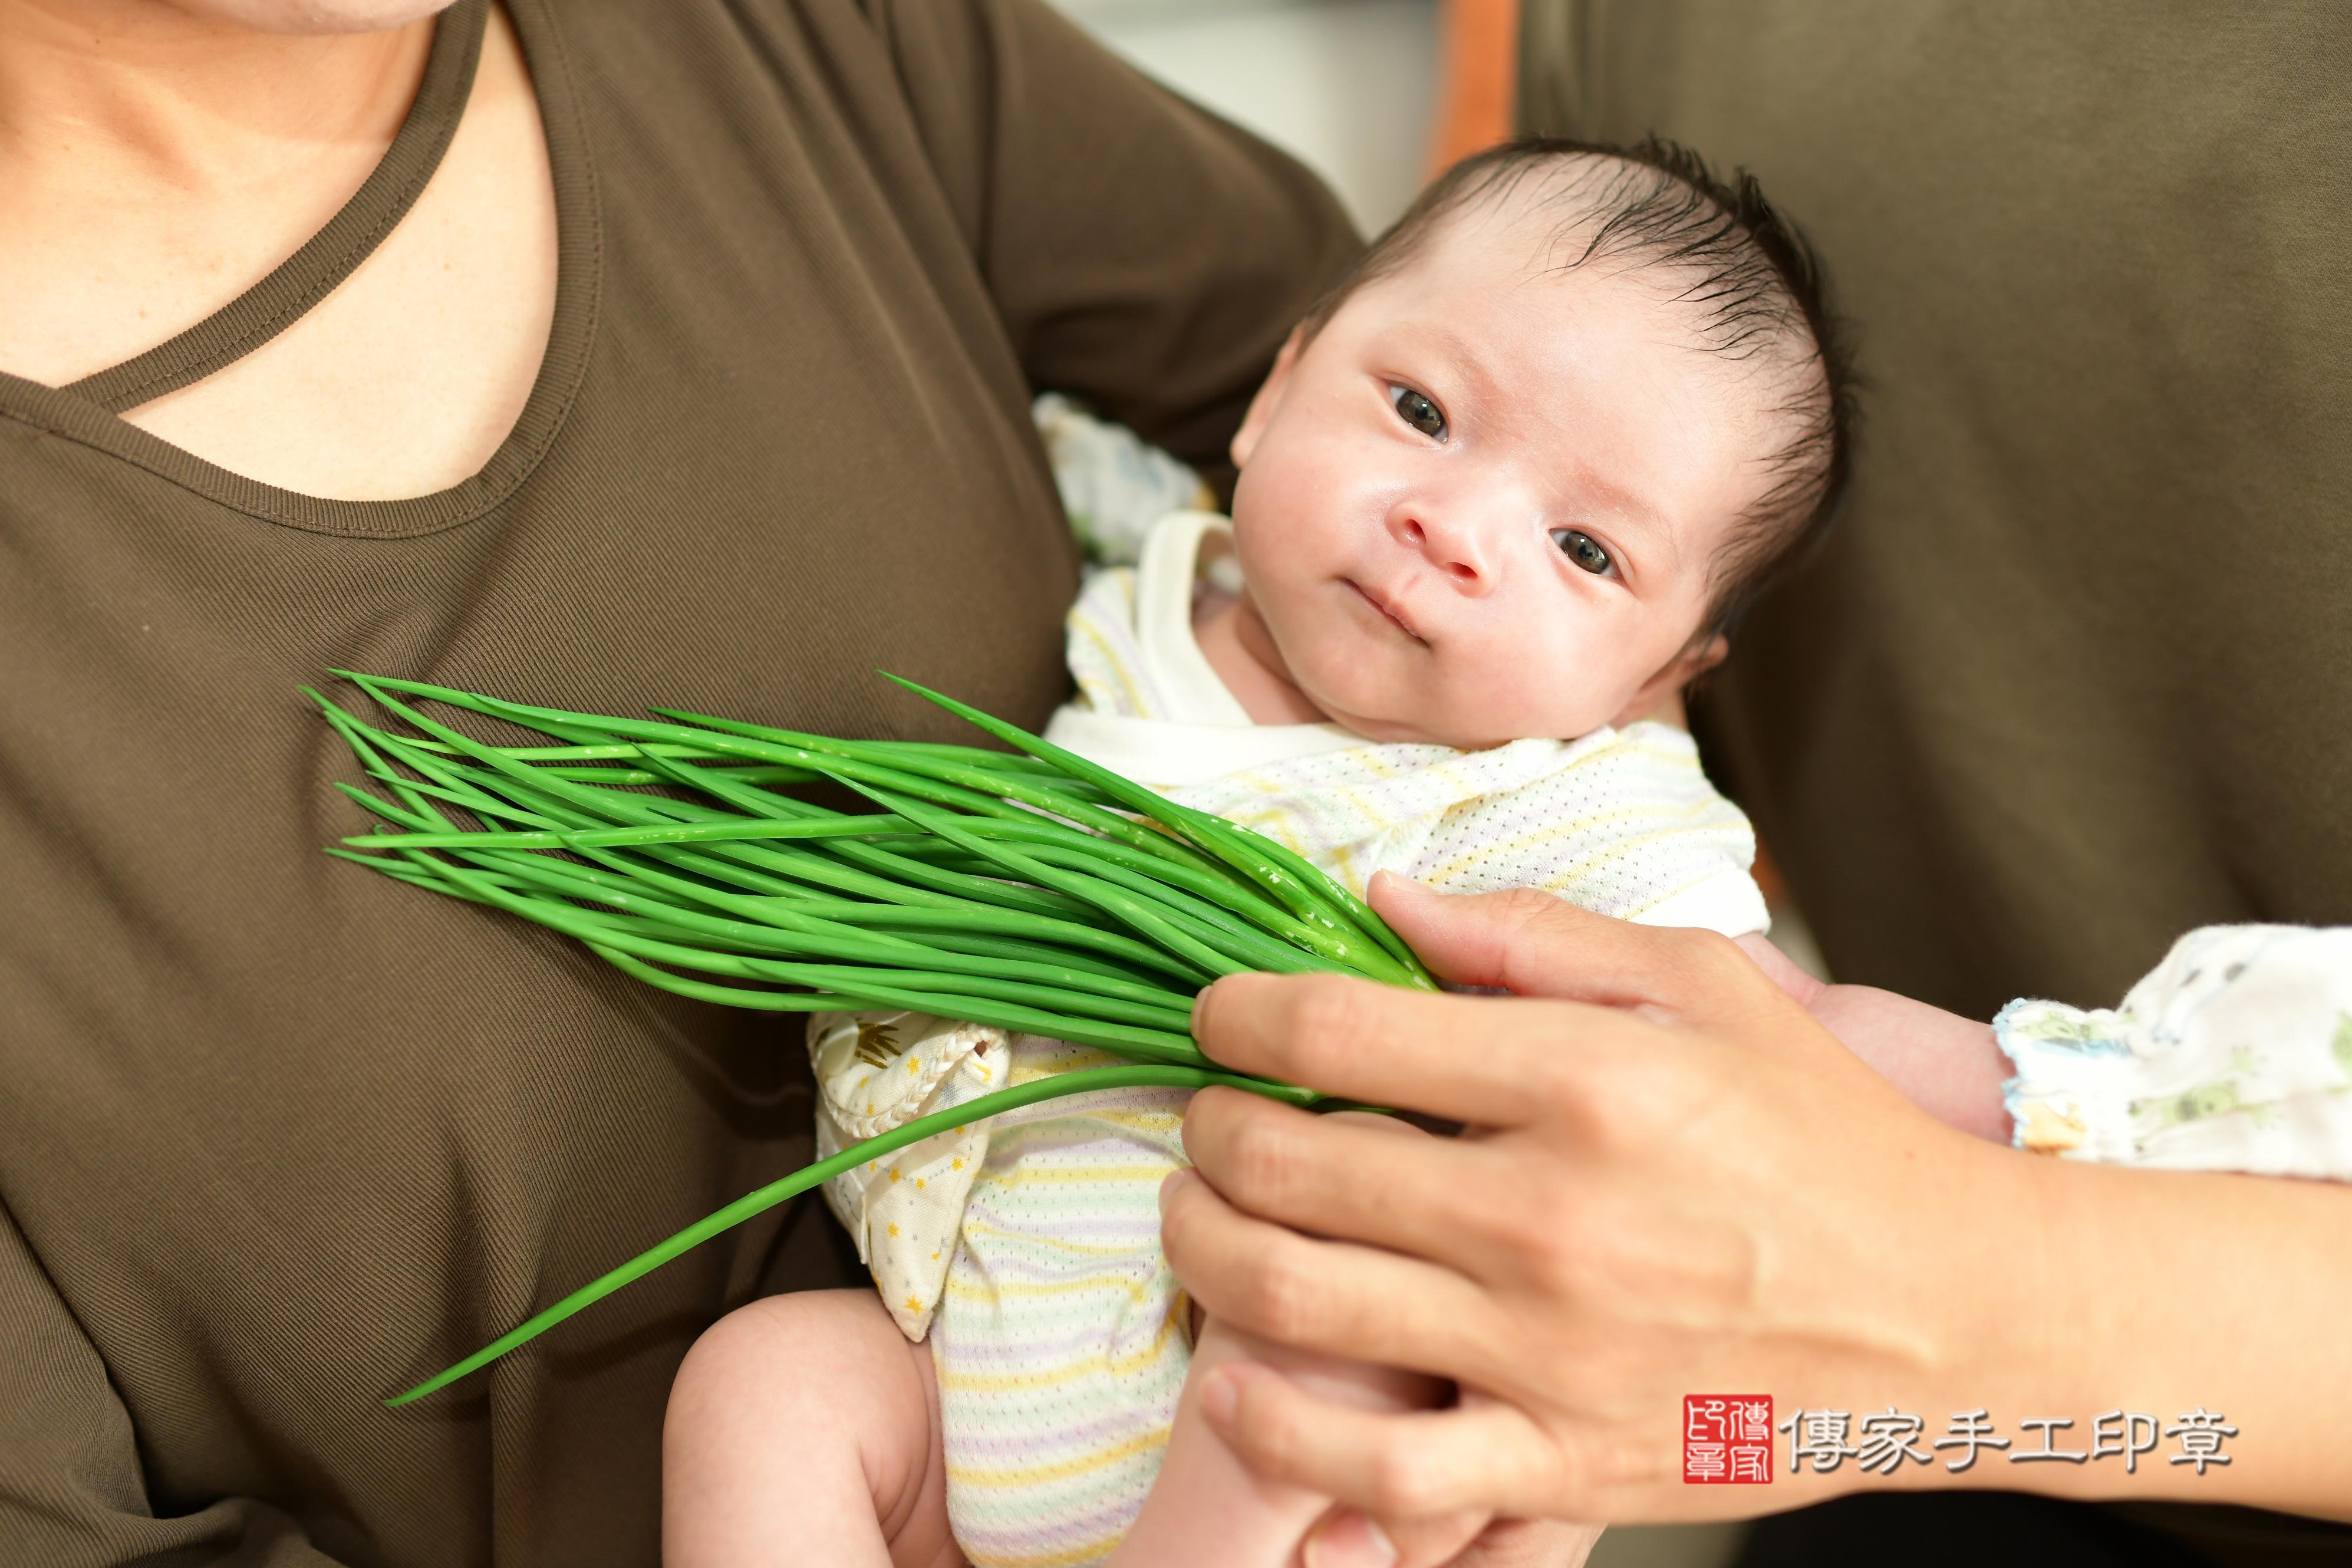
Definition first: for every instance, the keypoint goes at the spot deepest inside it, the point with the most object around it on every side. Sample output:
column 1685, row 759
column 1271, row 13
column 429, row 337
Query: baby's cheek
column 1531, row 685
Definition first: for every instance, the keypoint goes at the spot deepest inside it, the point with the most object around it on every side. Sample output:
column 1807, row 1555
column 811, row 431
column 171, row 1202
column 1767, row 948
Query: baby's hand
column 1946, row 1064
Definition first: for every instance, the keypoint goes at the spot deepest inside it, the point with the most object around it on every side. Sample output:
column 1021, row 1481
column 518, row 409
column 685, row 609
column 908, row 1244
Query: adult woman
column 594, row 352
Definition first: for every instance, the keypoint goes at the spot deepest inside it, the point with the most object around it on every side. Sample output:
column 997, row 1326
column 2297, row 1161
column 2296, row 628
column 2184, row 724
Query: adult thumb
column 1532, row 944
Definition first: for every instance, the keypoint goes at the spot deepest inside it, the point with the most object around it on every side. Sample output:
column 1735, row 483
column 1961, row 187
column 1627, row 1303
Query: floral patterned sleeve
column 2234, row 1054
column 1114, row 484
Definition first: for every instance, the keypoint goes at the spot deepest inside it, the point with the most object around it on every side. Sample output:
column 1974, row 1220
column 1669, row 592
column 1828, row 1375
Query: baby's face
column 1481, row 504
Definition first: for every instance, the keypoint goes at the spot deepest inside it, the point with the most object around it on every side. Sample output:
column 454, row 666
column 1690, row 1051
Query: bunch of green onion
column 1030, row 889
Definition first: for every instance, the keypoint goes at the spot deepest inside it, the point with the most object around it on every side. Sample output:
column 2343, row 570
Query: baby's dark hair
column 1750, row 278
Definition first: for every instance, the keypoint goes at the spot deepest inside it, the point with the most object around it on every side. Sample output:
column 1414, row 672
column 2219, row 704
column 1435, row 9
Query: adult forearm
column 2174, row 1292
column 2108, row 1324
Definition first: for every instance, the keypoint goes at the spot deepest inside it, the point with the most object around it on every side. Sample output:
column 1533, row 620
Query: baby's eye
column 1581, row 549
column 1420, row 413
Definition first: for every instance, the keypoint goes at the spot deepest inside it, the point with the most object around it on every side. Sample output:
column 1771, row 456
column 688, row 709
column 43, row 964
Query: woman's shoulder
column 865, row 95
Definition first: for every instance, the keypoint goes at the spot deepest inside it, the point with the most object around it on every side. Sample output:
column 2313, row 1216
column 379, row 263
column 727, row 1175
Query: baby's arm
column 1946, row 1064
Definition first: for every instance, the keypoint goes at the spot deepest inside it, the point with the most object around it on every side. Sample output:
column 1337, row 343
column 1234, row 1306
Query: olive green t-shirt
column 279, row 1136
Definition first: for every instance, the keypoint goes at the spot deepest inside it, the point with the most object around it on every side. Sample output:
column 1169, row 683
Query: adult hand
column 1673, row 1181
column 1347, row 1538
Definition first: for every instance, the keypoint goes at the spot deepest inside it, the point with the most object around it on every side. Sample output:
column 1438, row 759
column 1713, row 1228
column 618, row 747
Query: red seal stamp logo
column 1727, row 1439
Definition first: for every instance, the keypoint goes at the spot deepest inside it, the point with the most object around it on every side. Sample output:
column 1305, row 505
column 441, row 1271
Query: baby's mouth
column 1384, row 607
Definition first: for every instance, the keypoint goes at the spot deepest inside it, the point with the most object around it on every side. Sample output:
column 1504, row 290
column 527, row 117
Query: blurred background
column 1375, row 96
column 1370, row 94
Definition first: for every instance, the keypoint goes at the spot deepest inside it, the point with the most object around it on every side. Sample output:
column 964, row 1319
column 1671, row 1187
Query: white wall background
column 1347, row 87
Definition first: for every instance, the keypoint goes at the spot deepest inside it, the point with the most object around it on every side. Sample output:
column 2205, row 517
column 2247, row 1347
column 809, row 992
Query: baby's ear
column 1269, row 398
column 1698, row 660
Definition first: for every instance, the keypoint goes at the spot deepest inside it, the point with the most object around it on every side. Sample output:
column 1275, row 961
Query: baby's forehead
column 1488, row 292
column 1593, row 222
column 1518, row 244
column 1543, row 219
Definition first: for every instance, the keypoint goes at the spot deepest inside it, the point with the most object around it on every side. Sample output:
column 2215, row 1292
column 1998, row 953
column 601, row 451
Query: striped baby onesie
column 1058, row 1331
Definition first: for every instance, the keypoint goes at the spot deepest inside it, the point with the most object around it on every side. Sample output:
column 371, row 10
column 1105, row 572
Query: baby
column 1503, row 495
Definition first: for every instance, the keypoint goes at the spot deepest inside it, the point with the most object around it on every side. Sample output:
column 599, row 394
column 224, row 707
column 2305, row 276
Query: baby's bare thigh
column 805, row 1428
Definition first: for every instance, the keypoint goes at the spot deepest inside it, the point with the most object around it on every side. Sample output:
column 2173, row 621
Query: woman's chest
column 713, row 526
column 166, row 790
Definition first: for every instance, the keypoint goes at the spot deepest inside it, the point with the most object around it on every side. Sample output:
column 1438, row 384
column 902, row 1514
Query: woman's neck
column 138, row 139
column 140, row 90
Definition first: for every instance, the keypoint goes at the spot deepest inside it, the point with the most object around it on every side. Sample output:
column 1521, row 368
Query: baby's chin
column 1349, row 694
column 1485, row 732
column 1407, row 728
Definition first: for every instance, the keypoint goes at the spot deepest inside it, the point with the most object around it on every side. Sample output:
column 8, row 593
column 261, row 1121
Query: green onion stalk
column 1027, row 889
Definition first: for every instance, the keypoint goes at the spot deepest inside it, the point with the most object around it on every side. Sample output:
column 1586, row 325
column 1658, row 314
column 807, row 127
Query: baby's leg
column 1206, row 1507
column 804, row 1429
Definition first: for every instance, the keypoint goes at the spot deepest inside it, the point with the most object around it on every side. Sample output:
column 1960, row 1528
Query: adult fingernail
column 1350, row 1539
column 1174, row 1179
column 1220, row 1397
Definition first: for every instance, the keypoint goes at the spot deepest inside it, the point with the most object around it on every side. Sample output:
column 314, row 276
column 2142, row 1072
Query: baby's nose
column 1459, row 552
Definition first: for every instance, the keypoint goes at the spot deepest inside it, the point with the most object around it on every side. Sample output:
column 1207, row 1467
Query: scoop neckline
column 374, row 210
